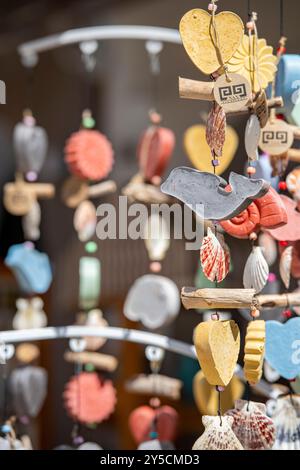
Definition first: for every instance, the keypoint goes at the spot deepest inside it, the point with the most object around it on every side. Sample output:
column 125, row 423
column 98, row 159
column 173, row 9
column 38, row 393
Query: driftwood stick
column 272, row 103
column 234, row 299
column 101, row 189
column 294, row 155
column 296, row 132
column 99, row 360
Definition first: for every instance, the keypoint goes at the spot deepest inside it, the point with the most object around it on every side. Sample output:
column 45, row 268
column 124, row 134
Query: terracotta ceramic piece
column 206, row 195
column 268, row 211
column 154, row 151
column 206, row 395
column 143, row 419
column 196, row 34
column 217, row 346
column 218, row 435
column 291, row 230
column 215, row 130
column 254, row 351
column 89, row 155
column 97, row 398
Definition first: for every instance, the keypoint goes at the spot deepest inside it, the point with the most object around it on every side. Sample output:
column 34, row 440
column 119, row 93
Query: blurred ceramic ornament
column 296, row 385
column 268, row 247
column 97, row 398
column 31, row 222
column 252, row 135
column 155, row 444
column 93, row 318
column 244, row 60
column 195, row 31
column 285, row 265
column 286, row 418
column 256, row 270
column 264, row 170
column 271, row 375
column 30, row 314
column 89, row 282
column 154, row 151
column 144, row 420
column 287, row 86
column 293, row 183
column 85, row 220
column 276, row 137
column 215, row 258
column 89, row 155
column 251, row 425
column 157, row 237
column 283, row 348
column 216, row 129
column 291, row 230
column 30, row 267
column 254, row 351
column 30, row 146
column 153, row 300
column 4, row 444
column 295, row 267
column 199, row 153
column 155, row 385
column 27, row 352
column 218, row 435
column 89, row 446
column 206, row 396
column 28, row 388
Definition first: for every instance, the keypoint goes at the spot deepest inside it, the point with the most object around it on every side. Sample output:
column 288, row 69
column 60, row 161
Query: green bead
column 91, row 247
column 88, row 122
column 89, row 367
column 91, row 425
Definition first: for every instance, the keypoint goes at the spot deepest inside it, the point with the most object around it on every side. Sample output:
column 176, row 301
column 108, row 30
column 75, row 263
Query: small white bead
column 212, row 7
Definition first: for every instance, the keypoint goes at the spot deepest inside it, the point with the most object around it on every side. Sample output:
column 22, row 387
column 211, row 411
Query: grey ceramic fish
column 206, row 195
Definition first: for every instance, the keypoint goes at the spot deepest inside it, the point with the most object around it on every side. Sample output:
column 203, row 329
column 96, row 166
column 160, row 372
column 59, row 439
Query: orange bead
column 251, row 170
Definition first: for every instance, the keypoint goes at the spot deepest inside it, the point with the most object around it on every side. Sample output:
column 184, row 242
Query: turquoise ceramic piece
column 31, row 268
column 288, row 86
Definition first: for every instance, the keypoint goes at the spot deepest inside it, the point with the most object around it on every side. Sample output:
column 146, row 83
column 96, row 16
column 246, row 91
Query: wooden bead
column 155, row 267
column 253, row 236
column 251, row 170
column 255, row 313
column 212, row 7
column 250, row 25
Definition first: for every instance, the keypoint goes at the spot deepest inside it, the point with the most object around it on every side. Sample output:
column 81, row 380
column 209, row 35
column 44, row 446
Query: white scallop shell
column 256, row 270
column 252, row 136
column 285, row 266
column 217, row 436
column 285, row 413
column 157, row 237
column 269, row 247
column 85, row 220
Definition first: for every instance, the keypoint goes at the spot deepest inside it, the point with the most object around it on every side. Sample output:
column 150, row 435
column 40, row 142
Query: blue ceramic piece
column 288, row 86
column 31, row 268
column 264, row 170
column 283, row 347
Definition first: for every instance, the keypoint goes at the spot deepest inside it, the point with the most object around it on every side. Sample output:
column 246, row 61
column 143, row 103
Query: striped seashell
column 217, row 435
column 285, row 266
column 215, row 129
column 286, row 417
column 254, row 429
column 256, row 270
column 214, row 261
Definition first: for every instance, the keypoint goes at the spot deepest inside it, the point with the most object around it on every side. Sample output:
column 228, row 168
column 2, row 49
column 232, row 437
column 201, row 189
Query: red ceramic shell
column 89, row 155
column 265, row 212
column 141, row 421
column 290, row 231
column 88, row 398
column 154, row 151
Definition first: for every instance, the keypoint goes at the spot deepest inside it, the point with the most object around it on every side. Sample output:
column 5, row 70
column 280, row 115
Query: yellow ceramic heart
column 199, row 152
column 196, row 34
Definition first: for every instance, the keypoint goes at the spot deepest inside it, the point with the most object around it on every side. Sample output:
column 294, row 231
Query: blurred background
column 121, row 98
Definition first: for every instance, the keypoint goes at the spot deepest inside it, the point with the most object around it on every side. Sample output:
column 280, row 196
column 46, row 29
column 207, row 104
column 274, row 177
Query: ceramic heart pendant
column 283, row 347
column 197, row 37
column 144, row 419
column 28, row 387
column 199, row 152
column 217, row 345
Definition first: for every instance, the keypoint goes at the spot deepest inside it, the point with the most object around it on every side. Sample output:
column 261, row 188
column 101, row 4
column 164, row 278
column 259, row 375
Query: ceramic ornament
column 283, row 347
column 276, row 137
column 261, row 108
column 264, row 170
column 89, row 446
column 256, row 270
column 28, row 388
column 268, row 247
column 266, row 212
column 27, row 352
column 271, row 375
column 195, row 31
column 97, row 398
column 257, row 67
column 154, row 151
column 157, row 237
column 199, row 153
column 85, row 220
column 291, row 230
column 252, row 136
column 217, row 346
column 286, row 418
column 206, row 396
column 295, row 267
column 89, row 282
column 254, row 351
column 206, row 195
column 30, row 146
column 144, row 419
column 31, row 268
column 31, row 222
column 287, row 86
column 232, row 92
column 30, row 314
column 216, row 129
column 89, row 155
column 153, row 300
column 251, row 425
column 155, row 385
column 215, row 261
column 218, row 435
column 296, row 385
column 285, row 266
column 293, row 183
column 155, row 444
column 93, row 318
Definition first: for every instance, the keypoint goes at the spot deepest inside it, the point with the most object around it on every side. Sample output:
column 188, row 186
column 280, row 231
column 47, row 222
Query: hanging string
column 216, row 40
column 219, row 390
column 77, row 439
column 4, row 386
column 154, row 48
column 281, row 18
column 248, row 9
